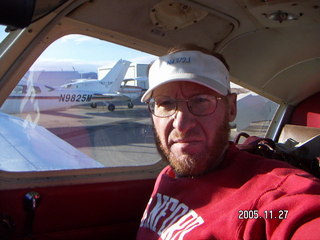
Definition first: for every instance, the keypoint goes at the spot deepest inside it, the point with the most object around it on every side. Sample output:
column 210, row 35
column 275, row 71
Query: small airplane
column 31, row 96
column 117, row 90
column 132, row 91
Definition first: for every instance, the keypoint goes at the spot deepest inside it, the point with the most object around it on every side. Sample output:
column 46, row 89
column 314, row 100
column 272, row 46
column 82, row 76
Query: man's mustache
column 190, row 134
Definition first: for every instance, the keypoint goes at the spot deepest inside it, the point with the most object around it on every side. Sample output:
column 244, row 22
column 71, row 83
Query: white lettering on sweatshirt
column 169, row 218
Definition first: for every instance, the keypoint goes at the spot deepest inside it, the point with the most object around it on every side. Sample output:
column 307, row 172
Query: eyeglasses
column 199, row 105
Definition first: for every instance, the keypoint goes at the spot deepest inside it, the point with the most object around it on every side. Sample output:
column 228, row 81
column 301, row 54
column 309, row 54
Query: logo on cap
column 179, row 60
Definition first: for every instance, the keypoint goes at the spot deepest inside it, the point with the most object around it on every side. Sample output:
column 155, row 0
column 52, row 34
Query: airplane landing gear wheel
column 130, row 105
column 93, row 105
column 111, row 107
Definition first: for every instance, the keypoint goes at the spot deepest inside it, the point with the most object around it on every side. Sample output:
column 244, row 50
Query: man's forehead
column 186, row 88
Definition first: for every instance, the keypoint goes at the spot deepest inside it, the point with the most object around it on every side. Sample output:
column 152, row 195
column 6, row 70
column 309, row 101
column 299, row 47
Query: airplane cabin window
column 254, row 113
column 18, row 90
column 81, row 100
column 71, row 101
column 3, row 33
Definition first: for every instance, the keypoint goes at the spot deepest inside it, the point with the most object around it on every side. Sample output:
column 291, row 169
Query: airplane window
column 73, row 104
column 81, row 100
column 18, row 89
column 3, row 34
column 254, row 113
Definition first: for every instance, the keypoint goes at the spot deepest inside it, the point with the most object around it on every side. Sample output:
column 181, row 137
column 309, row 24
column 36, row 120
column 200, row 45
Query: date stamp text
column 267, row 214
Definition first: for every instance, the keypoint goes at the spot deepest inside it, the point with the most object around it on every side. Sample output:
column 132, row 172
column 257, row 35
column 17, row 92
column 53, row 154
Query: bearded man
column 210, row 189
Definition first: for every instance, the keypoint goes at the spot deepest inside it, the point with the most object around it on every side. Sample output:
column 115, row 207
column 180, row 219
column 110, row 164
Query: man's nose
column 183, row 118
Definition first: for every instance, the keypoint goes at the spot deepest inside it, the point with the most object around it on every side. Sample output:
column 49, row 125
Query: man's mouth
column 186, row 144
column 186, row 140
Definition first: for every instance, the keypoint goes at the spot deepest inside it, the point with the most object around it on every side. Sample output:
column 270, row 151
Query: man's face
column 193, row 145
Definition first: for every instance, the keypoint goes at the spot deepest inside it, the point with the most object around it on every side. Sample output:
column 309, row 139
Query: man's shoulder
column 256, row 165
column 256, row 160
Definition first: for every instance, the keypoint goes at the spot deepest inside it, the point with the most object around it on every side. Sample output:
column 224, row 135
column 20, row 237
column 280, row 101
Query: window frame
column 22, row 49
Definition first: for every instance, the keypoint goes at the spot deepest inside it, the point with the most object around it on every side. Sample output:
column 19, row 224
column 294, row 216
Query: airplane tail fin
column 113, row 79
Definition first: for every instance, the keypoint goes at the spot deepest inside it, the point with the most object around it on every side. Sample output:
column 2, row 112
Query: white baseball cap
column 189, row 66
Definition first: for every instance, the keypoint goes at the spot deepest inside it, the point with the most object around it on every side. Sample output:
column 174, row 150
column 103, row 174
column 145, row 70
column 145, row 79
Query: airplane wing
column 23, row 144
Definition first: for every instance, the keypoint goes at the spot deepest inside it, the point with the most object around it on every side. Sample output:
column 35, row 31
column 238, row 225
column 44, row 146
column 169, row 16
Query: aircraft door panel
column 91, row 211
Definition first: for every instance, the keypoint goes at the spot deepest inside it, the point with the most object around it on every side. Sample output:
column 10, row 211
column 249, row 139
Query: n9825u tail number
column 75, row 98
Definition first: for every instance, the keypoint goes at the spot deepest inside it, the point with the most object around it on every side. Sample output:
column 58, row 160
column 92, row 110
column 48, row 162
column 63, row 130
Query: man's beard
column 187, row 165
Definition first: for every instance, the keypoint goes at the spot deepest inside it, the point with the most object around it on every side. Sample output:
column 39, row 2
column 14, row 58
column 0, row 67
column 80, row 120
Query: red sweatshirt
column 247, row 197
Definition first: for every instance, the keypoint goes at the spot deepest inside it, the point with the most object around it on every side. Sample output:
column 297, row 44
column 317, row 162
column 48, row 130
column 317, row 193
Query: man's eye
column 165, row 103
column 200, row 100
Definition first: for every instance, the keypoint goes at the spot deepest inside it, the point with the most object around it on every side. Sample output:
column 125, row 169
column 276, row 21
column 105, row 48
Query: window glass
column 79, row 106
column 254, row 113
column 75, row 111
column 3, row 33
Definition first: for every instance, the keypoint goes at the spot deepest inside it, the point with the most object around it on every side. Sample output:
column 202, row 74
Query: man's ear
column 232, row 106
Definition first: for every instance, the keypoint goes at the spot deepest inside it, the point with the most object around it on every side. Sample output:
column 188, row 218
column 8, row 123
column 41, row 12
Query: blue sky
column 84, row 54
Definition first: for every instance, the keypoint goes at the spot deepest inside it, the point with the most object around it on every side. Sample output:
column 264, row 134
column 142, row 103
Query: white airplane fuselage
column 133, row 92
column 29, row 96
column 55, row 99
column 87, row 84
